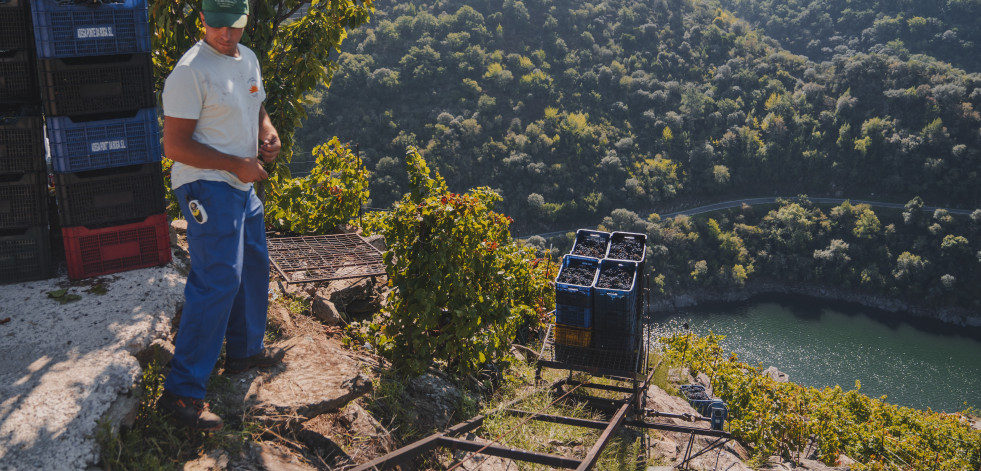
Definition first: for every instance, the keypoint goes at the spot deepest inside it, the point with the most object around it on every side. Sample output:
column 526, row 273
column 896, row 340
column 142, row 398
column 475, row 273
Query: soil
column 577, row 275
column 615, row 278
column 627, row 249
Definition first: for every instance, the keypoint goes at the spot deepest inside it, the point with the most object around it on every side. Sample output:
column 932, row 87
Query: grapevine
column 461, row 287
column 788, row 419
column 332, row 194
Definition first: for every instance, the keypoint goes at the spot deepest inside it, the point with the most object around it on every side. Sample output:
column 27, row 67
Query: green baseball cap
column 225, row 13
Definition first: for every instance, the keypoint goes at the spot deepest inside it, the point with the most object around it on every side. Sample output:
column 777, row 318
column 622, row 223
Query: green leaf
column 99, row 289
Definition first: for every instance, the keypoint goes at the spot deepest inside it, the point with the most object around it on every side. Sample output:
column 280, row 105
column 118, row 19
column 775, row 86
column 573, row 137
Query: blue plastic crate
column 719, row 413
column 615, row 310
column 572, row 294
column 91, row 145
column 573, row 315
column 66, row 29
column 585, row 238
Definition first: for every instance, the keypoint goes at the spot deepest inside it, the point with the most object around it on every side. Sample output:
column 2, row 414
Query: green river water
column 915, row 363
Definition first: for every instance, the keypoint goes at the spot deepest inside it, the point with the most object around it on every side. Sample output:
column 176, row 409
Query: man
column 213, row 123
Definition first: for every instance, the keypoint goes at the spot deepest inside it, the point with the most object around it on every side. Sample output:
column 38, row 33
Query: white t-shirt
column 224, row 94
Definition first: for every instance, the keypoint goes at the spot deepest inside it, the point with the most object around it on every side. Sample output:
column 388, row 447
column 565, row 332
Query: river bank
column 768, row 288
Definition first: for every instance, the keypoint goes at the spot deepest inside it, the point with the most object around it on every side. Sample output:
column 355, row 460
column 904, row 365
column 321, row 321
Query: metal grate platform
column 324, row 257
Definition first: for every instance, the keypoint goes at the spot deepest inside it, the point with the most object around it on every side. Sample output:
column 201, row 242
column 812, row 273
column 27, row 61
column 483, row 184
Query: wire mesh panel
column 561, row 349
column 324, row 257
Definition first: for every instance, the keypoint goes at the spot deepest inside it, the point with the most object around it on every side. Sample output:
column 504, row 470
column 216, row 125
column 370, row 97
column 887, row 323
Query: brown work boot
column 189, row 412
column 268, row 357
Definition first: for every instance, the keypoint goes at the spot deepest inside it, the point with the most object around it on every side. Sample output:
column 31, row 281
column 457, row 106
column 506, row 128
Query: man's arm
column 269, row 146
column 180, row 146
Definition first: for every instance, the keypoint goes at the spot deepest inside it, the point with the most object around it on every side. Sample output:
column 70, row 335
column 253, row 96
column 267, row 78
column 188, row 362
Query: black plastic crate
column 25, row 254
column 69, row 29
column 21, row 140
column 23, row 200
column 100, row 85
column 15, row 22
column 18, row 77
column 77, row 146
column 100, row 198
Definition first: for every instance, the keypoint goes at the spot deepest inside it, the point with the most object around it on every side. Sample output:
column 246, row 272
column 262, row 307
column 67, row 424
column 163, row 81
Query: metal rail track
column 628, row 410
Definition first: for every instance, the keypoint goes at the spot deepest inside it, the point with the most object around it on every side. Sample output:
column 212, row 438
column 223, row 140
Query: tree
column 908, row 267
column 294, row 50
column 867, row 226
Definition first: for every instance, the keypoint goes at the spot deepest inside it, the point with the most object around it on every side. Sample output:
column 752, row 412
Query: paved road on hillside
column 771, row 200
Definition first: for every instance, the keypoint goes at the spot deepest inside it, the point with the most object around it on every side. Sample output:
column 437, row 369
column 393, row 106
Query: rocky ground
column 313, row 410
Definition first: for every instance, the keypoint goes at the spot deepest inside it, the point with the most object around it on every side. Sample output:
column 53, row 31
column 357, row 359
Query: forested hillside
column 922, row 257
column 949, row 30
column 573, row 109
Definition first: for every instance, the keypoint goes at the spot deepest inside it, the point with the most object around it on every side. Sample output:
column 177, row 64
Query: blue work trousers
column 226, row 293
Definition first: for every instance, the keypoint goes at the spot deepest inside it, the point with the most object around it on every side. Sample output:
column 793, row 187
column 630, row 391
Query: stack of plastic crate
column 618, row 309
column 599, row 325
column 25, row 247
column 96, row 81
column 574, row 302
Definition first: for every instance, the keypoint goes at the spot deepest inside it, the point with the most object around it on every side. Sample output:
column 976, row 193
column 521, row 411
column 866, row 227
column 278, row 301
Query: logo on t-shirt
column 253, row 86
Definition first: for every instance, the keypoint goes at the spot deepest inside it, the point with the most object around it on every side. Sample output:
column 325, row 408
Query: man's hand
column 250, row 170
column 269, row 149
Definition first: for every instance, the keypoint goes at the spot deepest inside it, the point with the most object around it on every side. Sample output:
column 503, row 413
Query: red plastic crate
column 94, row 252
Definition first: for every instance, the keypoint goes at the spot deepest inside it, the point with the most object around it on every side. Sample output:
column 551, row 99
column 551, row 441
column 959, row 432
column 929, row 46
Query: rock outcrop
column 317, row 376
column 955, row 316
